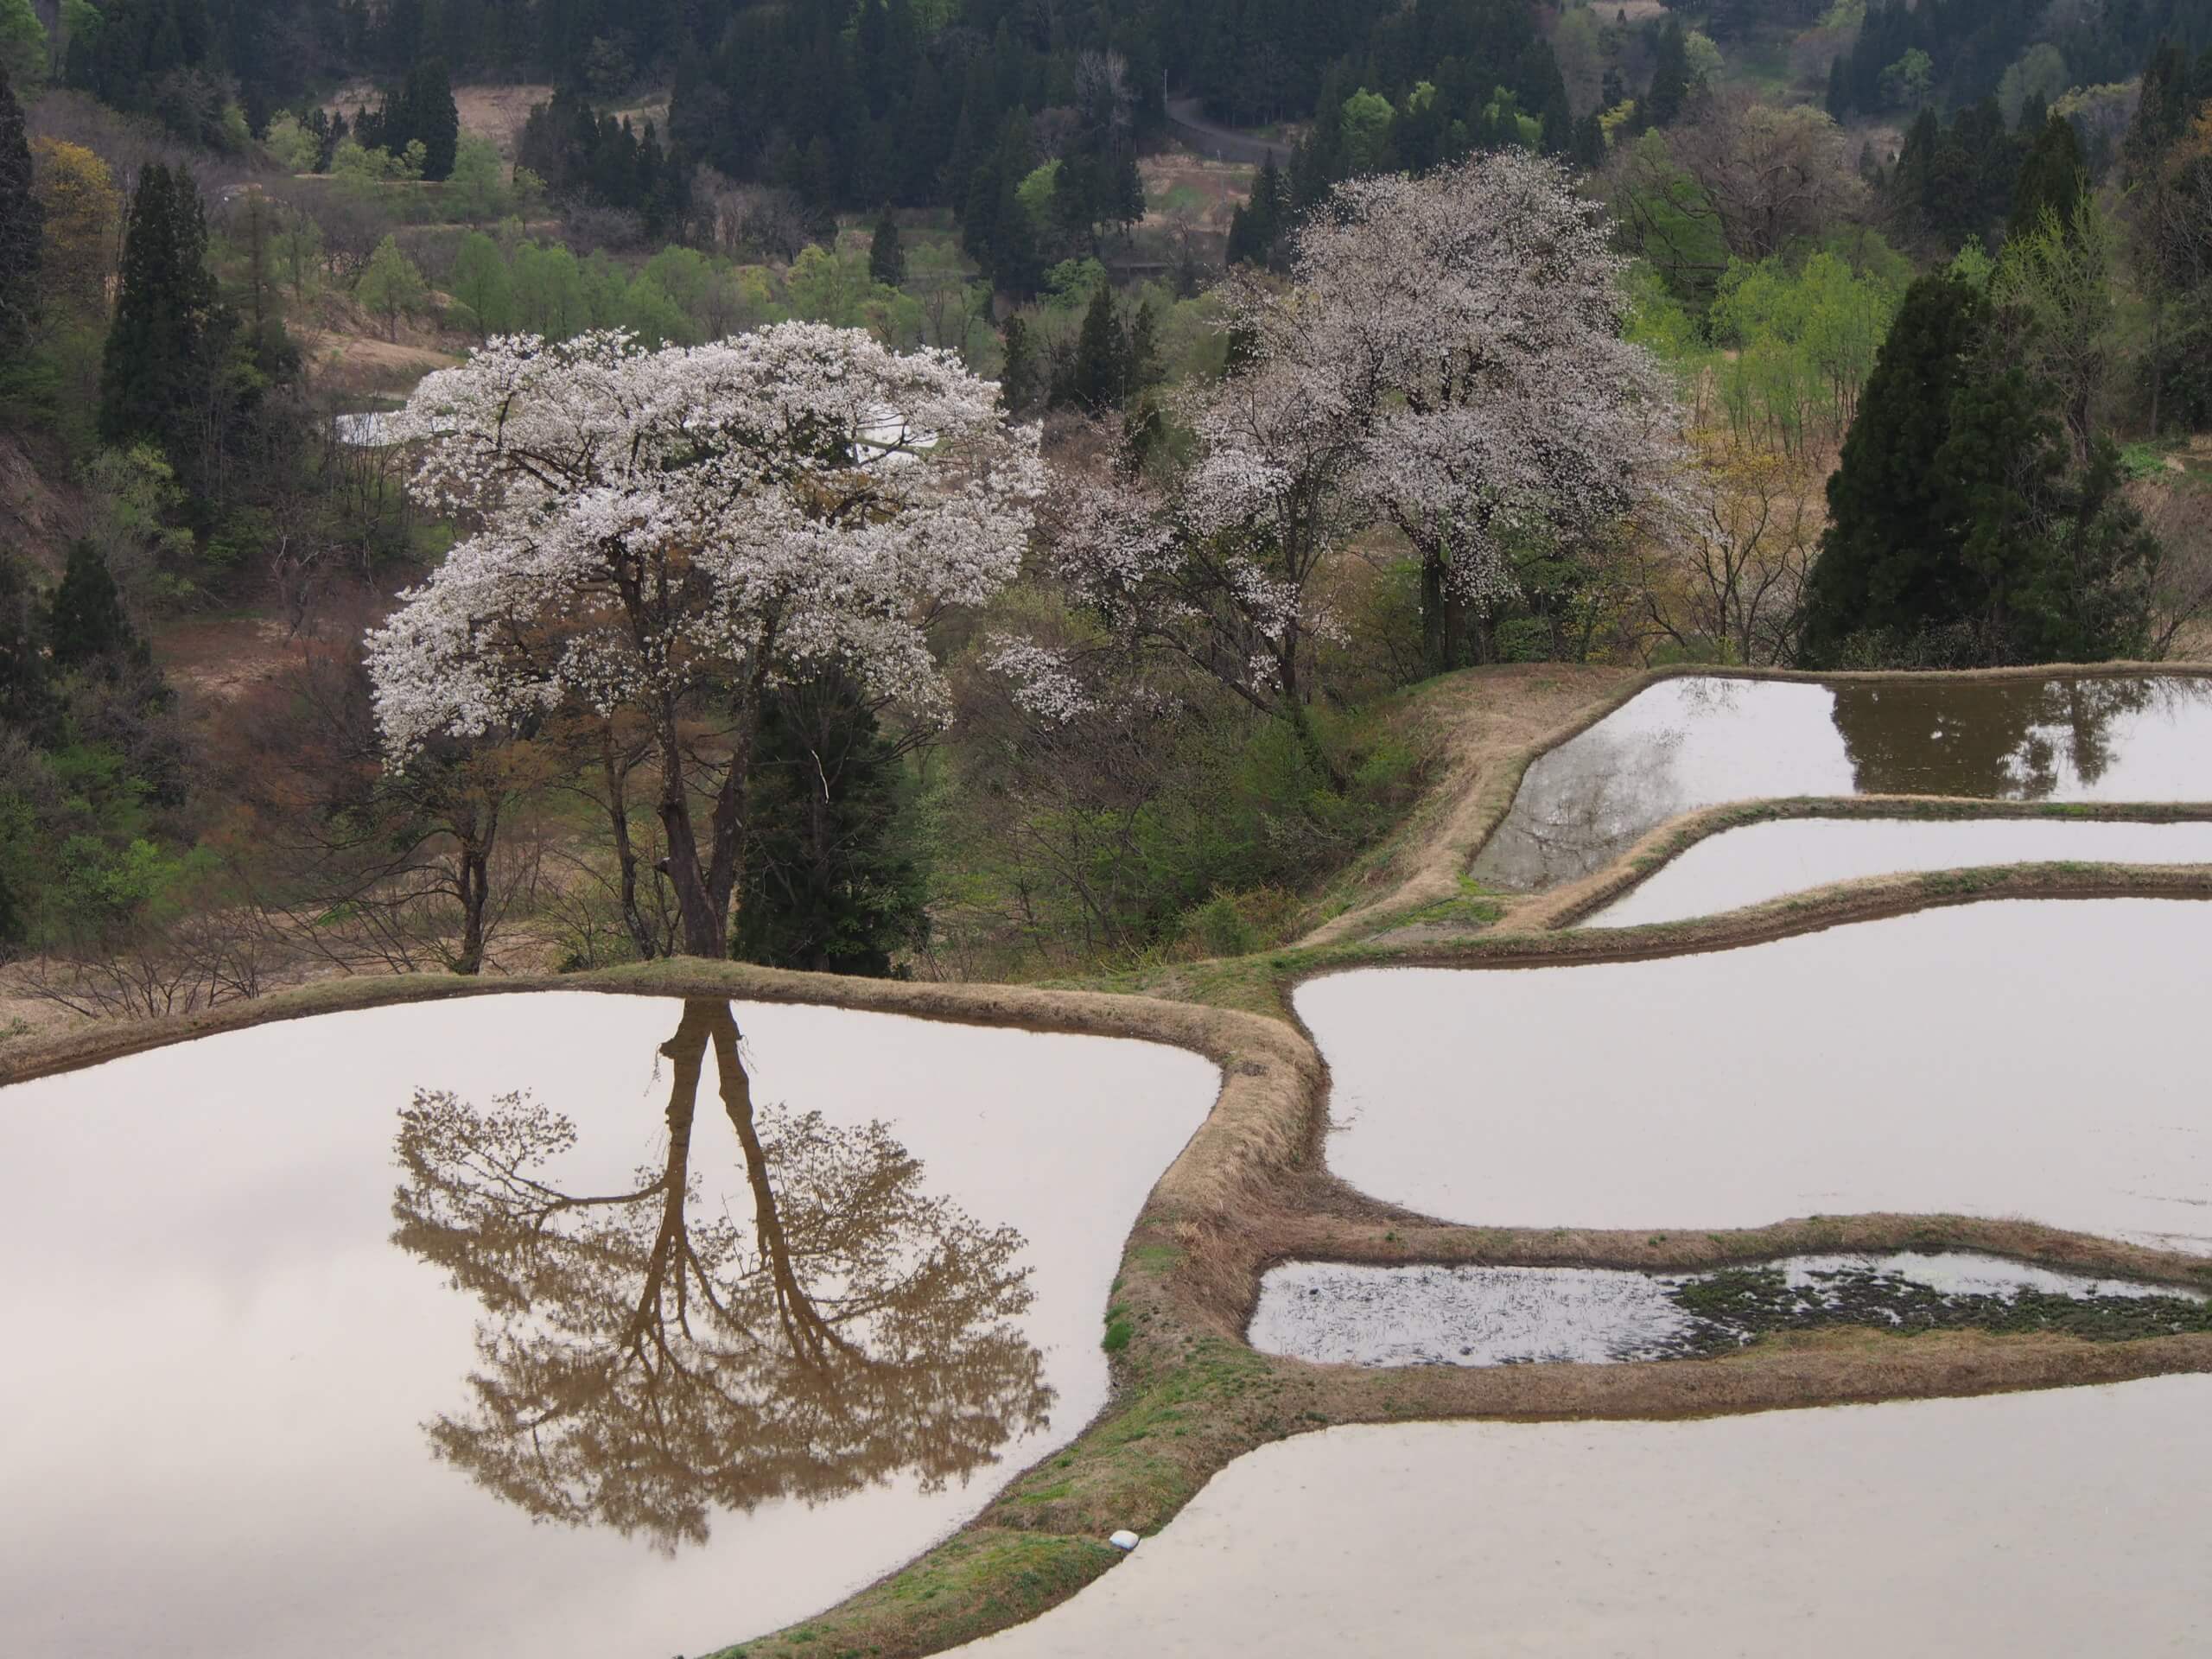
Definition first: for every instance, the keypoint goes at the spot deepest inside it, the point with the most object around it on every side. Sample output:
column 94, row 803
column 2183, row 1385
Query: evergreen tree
column 158, row 360
column 26, row 702
column 431, row 116
column 1890, row 561
column 1018, row 374
column 86, row 627
column 829, row 885
column 21, row 222
column 1670, row 77
column 2051, row 178
column 1098, row 377
column 887, row 259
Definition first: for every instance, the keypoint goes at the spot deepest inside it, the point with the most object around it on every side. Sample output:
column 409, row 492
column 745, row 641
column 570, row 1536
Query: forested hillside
column 1763, row 333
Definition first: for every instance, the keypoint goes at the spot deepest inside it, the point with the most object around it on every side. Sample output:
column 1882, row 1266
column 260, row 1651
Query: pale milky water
column 2041, row 1059
column 212, row 1436
column 1761, row 861
column 1699, row 741
column 2036, row 1526
column 365, row 430
column 1337, row 1313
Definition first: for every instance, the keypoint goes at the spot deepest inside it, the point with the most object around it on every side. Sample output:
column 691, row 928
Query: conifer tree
column 2051, row 178
column 887, row 259
column 20, row 220
column 1671, row 76
column 830, row 886
column 1890, row 557
column 1018, row 374
column 432, row 116
column 156, row 363
column 1098, row 377
column 86, row 625
column 26, row 699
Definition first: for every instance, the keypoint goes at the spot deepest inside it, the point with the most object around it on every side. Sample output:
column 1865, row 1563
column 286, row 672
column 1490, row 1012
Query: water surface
column 2037, row 1525
column 1760, row 862
column 556, row 1324
column 2035, row 1058
column 1698, row 741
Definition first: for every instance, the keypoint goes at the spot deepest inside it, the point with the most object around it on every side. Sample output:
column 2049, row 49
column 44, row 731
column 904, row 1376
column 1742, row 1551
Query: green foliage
column 23, row 44
column 392, row 286
column 832, row 882
column 289, row 144
column 476, row 186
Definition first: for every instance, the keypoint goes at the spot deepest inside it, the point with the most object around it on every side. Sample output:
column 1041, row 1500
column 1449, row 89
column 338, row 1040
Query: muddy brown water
column 1758, row 862
column 2041, row 1059
column 557, row 1323
column 1702, row 740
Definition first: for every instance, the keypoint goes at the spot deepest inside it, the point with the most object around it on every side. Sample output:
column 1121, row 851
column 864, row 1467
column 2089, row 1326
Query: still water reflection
column 1689, row 743
column 645, row 1362
column 686, row 1335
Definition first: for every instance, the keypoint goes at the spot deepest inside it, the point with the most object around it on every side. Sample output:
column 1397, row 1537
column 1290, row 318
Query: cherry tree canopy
column 663, row 531
column 658, row 520
column 1447, row 356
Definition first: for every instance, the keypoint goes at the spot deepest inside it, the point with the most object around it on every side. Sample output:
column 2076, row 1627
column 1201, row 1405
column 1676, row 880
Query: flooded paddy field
column 2036, row 1059
column 558, row 1324
column 1701, row 740
column 2043, row 1525
column 1759, row 861
column 1341, row 1314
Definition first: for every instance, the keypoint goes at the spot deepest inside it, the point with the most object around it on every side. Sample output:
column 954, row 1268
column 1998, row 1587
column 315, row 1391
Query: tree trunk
column 642, row 933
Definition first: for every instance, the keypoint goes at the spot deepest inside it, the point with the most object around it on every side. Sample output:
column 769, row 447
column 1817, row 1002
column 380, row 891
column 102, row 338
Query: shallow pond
column 2035, row 1058
column 2038, row 1525
column 1336, row 1313
column 1698, row 741
column 1765, row 861
column 365, row 430
column 556, row 1324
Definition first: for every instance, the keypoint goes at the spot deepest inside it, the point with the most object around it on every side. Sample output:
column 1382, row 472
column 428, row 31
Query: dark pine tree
column 887, row 259
column 1890, row 563
column 155, row 366
column 830, row 884
column 1098, row 377
column 2051, row 178
column 26, row 704
column 85, row 627
column 21, row 224
column 1018, row 373
column 1670, row 77
column 431, row 116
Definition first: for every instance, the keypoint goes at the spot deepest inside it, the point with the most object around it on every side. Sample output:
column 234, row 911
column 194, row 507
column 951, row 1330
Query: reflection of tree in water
column 2012, row 739
column 644, row 1362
